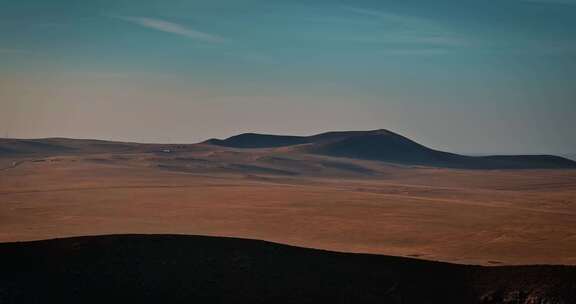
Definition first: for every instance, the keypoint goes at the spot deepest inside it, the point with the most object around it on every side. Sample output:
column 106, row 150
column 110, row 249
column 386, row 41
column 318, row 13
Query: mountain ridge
column 388, row 146
column 379, row 145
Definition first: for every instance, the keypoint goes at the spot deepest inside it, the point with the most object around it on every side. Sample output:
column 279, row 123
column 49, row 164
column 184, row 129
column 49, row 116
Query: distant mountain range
column 376, row 145
column 387, row 146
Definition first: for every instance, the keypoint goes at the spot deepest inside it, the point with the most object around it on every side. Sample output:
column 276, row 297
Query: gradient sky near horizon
column 483, row 76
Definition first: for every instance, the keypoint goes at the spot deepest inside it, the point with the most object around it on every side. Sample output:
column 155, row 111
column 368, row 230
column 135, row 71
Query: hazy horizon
column 570, row 155
column 479, row 76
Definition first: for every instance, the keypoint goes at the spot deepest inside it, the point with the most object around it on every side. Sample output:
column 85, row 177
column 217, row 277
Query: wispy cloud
column 409, row 29
column 15, row 51
column 410, row 52
column 173, row 28
column 114, row 75
column 568, row 2
column 390, row 17
column 405, row 39
column 557, row 48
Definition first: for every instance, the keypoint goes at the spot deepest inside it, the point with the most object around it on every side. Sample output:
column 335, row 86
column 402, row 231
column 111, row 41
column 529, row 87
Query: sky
column 468, row 76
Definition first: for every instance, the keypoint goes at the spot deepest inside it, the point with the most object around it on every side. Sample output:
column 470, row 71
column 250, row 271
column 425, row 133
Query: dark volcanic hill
column 252, row 140
column 196, row 269
column 387, row 146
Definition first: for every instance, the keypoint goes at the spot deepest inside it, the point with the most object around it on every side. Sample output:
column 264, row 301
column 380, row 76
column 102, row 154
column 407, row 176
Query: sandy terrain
column 465, row 216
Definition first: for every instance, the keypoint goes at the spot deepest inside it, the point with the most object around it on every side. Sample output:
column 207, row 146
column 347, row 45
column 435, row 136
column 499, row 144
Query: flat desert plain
column 487, row 217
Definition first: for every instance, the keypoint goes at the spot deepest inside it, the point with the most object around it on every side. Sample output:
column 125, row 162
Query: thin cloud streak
column 411, row 30
column 412, row 52
column 173, row 28
column 563, row 2
column 15, row 51
column 405, row 39
column 394, row 18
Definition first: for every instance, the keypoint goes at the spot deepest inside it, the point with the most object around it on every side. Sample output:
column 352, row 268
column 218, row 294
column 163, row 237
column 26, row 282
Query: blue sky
column 465, row 76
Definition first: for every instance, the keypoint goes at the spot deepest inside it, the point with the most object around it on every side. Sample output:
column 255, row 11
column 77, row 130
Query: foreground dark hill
column 196, row 269
column 387, row 146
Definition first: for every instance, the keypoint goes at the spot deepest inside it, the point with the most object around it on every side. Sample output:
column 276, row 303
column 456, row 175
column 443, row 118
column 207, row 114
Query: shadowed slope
column 69, row 146
column 531, row 161
column 387, row 146
column 61, row 146
column 24, row 146
column 195, row 269
column 391, row 147
column 252, row 140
